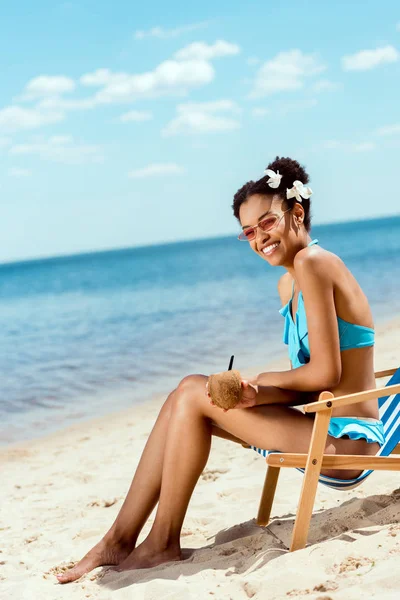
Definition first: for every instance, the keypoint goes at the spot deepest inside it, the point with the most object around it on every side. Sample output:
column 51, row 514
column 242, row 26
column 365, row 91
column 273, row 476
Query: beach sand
column 60, row 494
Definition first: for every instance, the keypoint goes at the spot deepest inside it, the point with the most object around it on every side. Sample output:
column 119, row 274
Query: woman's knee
column 190, row 388
column 188, row 383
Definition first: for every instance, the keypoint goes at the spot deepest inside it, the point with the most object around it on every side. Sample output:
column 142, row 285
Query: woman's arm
column 275, row 395
column 324, row 369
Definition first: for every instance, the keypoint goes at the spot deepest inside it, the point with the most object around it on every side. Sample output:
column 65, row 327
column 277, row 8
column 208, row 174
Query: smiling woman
column 328, row 328
column 281, row 175
column 325, row 309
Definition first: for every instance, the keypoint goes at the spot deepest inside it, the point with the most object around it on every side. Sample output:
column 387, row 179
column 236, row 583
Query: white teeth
column 269, row 249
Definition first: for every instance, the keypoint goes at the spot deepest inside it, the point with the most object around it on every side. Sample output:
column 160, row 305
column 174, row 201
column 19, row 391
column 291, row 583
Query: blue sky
column 125, row 124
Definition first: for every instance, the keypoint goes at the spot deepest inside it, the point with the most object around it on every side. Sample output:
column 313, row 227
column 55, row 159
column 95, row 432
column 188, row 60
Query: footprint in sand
column 33, row 538
column 227, row 551
column 212, row 474
column 352, row 563
column 250, row 589
column 103, row 503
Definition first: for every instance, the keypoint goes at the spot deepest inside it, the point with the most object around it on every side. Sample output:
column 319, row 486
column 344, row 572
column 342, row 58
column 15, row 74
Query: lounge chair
column 312, row 463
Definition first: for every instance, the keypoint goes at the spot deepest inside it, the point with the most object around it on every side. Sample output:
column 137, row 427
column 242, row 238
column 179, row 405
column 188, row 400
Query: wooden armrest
column 386, row 373
column 336, row 461
column 324, row 404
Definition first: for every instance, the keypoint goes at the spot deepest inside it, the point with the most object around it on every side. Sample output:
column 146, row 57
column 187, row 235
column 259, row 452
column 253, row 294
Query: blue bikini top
column 295, row 333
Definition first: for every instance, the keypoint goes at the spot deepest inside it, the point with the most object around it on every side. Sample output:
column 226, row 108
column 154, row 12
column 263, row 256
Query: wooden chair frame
column 316, row 459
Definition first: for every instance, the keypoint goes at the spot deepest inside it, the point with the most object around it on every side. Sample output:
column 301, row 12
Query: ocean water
column 93, row 333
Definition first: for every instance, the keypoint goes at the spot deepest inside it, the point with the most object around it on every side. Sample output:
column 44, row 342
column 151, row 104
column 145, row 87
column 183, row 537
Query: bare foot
column 104, row 553
column 145, row 557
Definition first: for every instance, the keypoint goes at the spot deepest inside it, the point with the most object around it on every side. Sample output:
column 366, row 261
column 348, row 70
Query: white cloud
column 169, row 77
column 48, row 85
column 389, row 129
column 285, row 72
column 16, row 172
column 260, row 112
column 369, row 59
column 99, row 77
column 61, row 149
column 60, row 104
column 199, row 123
column 191, row 68
column 136, row 116
column 203, row 51
column 201, row 117
column 164, row 34
column 325, row 85
column 15, row 118
column 156, row 169
column 348, row 146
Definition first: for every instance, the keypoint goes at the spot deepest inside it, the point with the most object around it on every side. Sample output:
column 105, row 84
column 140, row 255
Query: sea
column 90, row 334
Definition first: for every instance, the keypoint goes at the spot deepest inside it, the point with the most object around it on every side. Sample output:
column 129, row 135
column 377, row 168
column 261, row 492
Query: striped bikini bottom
column 357, row 428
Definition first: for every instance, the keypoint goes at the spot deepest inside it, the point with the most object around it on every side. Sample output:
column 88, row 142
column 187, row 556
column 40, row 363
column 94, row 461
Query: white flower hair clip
column 298, row 191
column 274, row 178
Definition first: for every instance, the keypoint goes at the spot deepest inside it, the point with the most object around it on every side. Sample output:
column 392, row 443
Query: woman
column 329, row 330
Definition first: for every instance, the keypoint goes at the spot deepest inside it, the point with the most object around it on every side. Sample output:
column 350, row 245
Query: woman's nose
column 261, row 236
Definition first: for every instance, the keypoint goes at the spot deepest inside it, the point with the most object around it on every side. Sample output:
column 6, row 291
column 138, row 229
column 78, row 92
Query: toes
column 71, row 575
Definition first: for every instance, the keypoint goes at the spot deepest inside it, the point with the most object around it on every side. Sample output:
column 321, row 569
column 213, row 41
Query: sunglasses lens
column 267, row 224
column 247, row 235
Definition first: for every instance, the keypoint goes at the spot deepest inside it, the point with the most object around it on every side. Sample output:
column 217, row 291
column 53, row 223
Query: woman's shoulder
column 319, row 261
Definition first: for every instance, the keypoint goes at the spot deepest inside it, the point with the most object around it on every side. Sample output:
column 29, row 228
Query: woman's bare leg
column 174, row 456
column 186, row 452
column 142, row 497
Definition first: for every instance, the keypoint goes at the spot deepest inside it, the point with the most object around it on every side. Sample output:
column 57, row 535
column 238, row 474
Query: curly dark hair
column 290, row 170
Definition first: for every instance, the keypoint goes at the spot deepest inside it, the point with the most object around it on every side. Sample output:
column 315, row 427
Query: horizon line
column 49, row 257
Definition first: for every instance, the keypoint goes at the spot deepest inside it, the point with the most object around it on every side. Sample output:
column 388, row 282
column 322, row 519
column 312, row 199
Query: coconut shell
column 225, row 388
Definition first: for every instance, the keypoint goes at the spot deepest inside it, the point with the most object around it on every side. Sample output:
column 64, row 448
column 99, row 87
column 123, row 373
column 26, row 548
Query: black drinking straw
column 231, row 363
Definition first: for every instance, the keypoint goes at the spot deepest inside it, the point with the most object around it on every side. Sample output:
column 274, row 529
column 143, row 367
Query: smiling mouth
column 270, row 249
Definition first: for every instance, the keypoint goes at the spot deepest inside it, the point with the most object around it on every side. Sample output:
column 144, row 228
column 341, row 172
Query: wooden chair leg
column 267, row 497
column 311, row 475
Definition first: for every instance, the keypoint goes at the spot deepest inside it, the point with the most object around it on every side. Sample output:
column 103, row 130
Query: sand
column 60, row 494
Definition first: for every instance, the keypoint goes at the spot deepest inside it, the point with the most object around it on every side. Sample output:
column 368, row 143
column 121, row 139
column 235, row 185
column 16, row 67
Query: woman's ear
column 298, row 212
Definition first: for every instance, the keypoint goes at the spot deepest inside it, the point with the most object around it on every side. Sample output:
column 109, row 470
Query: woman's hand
column 249, row 395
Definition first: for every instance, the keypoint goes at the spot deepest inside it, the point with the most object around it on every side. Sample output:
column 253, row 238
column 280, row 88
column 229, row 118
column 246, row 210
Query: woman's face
column 278, row 245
